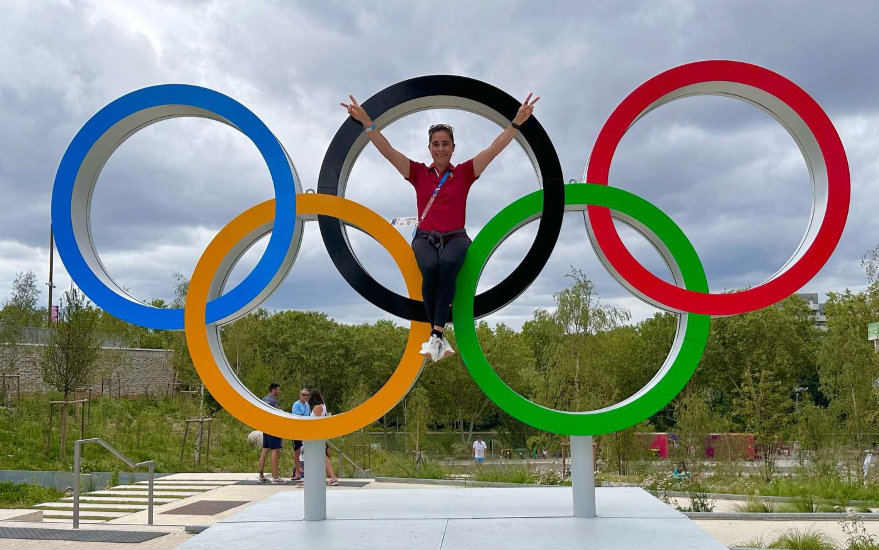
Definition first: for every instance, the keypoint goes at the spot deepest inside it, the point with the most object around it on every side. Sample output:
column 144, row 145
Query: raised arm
column 484, row 158
column 398, row 159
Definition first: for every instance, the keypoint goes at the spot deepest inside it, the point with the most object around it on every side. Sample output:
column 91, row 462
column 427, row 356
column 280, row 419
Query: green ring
column 648, row 400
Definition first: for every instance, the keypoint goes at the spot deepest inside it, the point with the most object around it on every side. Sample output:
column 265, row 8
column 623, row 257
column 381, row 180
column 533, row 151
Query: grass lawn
column 22, row 495
column 142, row 429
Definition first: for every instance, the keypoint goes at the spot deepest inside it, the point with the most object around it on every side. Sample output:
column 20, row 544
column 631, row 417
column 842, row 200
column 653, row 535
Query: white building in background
column 817, row 308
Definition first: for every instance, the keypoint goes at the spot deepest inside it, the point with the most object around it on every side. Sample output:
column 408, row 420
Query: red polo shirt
column 449, row 209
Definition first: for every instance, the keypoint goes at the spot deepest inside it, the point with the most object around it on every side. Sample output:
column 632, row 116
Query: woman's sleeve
column 413, row 166
column 469, row 172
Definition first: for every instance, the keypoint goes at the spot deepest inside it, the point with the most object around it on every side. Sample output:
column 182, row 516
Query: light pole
column 50, row 284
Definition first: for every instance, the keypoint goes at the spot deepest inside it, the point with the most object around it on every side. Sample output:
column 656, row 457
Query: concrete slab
column 596, row 534
column 20, row 514
column 133, row 500
column 174, row 483
column 625, row 502
column 462, row 518
column 93, row 506
column 166, row 487
column 210, row 476
column 157, row 493
column 326, row 535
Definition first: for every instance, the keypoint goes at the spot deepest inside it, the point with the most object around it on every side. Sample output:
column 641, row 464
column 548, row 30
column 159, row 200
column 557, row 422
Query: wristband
column 514, row 125
column 369, row 128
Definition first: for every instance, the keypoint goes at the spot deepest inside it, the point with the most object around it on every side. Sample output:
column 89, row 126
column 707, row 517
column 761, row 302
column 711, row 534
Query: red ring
column 770, row 292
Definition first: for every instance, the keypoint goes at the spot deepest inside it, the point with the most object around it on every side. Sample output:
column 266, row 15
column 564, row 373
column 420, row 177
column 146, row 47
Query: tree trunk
column 63, row 451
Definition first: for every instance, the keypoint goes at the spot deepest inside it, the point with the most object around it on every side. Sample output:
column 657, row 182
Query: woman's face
column 441, row 147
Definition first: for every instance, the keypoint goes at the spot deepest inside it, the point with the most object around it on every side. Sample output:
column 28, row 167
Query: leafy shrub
column 794, row 539
column 756, row 506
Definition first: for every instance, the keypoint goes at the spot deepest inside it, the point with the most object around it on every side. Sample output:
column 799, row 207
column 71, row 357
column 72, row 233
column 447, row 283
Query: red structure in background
column 658, row 443
column 731, row 446
column 722, row 446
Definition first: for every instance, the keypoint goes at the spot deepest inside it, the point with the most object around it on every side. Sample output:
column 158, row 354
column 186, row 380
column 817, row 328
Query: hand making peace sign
column 357, row 112
column 525, row 110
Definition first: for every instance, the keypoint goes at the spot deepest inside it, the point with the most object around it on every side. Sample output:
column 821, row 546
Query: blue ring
column 242, row 119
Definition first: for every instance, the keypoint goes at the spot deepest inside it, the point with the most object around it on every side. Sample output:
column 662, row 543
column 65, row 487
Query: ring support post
column 315, row 486
column 583, row 476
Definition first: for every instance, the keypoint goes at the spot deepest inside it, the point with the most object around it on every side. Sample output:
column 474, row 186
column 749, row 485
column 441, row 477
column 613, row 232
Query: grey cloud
column 724, row 171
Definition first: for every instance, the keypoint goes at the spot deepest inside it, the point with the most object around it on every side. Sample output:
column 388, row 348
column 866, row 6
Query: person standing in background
column 270, row 442
column 318, row 410
column 300, row 408
column 479, row 449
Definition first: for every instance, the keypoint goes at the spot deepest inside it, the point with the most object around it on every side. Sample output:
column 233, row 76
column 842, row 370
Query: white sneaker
column 432, row 348
column 446, row 349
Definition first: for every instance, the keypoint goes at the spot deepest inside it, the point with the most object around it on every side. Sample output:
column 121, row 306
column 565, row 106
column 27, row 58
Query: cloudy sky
column 726, row 172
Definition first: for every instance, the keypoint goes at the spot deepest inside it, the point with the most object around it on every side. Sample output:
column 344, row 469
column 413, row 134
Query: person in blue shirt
column 300, row 408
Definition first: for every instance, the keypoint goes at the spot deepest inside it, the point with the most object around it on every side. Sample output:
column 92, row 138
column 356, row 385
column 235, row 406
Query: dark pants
column 270, row 442
column 439, row 264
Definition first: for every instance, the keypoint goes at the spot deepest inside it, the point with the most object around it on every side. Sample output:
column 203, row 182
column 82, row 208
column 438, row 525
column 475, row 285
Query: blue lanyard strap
column 442, row 181
column 432, row 197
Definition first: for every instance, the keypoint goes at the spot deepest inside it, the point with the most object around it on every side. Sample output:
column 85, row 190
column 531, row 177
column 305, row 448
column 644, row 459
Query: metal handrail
column 346, row 457
column 77, row 454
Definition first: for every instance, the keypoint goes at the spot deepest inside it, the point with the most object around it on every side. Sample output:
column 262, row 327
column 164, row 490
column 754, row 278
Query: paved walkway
column 123, row 500
column 226, row 487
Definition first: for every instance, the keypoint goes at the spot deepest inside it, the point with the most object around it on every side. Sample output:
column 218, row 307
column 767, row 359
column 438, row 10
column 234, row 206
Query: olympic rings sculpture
column 208, row 306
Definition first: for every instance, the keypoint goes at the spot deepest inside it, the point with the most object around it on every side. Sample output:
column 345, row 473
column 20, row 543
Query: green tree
column 623, row 447
column 417, row 418
column 72, row 354
column 764, row 407
column 184, row 370
column 848, row 365
column 578, row 348
column 781, row 338
column 457, row 399
column 815, row 432
column 19, row 312
column 694, row 424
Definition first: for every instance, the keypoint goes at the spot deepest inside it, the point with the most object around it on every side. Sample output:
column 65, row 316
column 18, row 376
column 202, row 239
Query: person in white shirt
column 319, row 409
column 479, row 449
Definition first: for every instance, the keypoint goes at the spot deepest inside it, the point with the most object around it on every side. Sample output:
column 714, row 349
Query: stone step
column 131, row 508
column 166, row 494
column 132, row 500
column 83, row 514
column 144, row 488
column 70, row 520
column 188, row 482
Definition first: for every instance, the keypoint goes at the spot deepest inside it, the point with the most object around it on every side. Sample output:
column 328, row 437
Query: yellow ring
column 248, row 408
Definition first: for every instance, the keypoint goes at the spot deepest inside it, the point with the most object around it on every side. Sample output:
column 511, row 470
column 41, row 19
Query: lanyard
column 432, row 197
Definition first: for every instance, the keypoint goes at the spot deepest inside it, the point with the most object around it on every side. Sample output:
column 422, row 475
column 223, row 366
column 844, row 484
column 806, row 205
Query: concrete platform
column 18, row 514
column 461, row 518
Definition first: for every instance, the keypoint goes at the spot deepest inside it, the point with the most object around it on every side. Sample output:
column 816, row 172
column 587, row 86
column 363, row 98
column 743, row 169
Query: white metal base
column 583, row 476
column 315, row 505
column 454, row 518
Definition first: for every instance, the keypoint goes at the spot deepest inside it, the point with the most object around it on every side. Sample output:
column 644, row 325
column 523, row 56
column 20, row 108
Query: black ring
column 433, row 92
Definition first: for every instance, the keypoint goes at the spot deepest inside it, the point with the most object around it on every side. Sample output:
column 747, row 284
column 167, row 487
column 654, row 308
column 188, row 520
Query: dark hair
column 315, row 399
column 438, row 128
column 273, row 385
